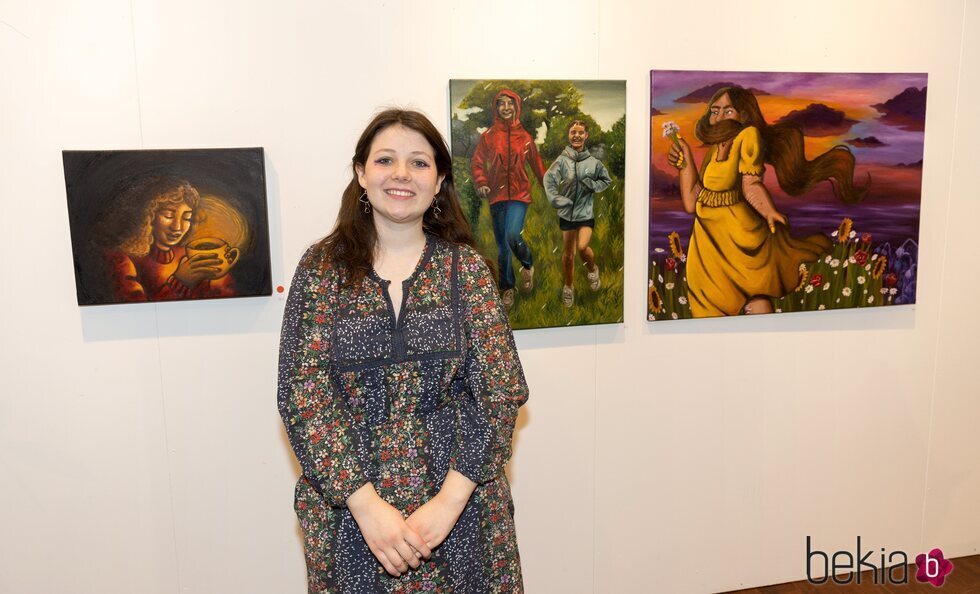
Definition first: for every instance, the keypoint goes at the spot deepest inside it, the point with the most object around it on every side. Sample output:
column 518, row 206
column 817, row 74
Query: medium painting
column 777, row 192
column 162, row 225
column 540, row 169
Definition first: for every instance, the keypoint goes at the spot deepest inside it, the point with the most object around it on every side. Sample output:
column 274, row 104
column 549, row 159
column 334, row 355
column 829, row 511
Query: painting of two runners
column 539, row 165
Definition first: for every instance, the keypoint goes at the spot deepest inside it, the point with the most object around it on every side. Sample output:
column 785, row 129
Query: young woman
column 399, row 383
column 571, row 184
column 741, row 253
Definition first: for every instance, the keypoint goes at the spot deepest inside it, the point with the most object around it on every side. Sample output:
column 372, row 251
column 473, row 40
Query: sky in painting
column 854, row 94
column 887, row 143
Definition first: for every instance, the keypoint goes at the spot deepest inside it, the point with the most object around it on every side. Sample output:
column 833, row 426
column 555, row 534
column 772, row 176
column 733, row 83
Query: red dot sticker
column 280, row 289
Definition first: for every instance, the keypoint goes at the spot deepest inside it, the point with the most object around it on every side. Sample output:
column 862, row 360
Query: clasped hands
column 400, row 543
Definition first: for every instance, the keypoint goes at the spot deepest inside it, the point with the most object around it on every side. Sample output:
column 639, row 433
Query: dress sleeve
column 321, row 430
column 487, row 409
column 750, row 158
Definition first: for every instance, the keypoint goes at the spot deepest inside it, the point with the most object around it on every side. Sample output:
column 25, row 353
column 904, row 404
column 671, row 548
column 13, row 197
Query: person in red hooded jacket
column 499, row 175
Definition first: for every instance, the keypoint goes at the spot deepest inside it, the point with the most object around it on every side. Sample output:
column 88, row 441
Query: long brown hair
column 162, row 192
column 783, row 149
column 353, row 241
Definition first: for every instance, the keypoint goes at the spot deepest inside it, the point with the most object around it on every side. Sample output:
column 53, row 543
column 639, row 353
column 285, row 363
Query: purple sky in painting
column 901, row 146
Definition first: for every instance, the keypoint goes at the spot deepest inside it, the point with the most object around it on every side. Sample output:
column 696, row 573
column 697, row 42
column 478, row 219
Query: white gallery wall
column 140, row 446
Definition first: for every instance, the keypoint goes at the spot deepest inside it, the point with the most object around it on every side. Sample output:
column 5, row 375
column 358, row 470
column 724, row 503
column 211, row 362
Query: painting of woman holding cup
column 177, row 225
column 161, row 262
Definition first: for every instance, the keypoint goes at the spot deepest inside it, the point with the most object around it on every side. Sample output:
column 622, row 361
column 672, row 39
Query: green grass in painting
column 542, row 307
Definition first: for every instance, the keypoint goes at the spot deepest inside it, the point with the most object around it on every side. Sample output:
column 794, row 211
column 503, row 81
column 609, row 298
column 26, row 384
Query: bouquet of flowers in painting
column 539, row 166
column 168, row 225
column 781, row 192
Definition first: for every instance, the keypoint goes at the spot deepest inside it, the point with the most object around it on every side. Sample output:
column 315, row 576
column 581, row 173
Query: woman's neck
column 396, row 237
column 398, row 240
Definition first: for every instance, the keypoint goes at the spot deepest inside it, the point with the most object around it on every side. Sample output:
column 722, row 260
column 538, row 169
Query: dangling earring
column 435, row 208
column 365, row 202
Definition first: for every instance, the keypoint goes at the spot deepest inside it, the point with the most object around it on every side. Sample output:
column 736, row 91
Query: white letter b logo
column 932, row 567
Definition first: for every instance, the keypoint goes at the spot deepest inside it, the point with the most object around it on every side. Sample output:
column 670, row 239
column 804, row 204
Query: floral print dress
column 365, row 397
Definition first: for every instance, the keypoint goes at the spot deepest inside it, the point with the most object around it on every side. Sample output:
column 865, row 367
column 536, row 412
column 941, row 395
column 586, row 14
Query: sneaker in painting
column 527, row 279
column 593, row 276
column 567, row 296
column 507, row 296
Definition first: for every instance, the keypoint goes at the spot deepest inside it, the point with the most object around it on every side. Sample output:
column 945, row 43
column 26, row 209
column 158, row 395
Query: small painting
column 774, row 192
column 540, row 169
column 163, row 225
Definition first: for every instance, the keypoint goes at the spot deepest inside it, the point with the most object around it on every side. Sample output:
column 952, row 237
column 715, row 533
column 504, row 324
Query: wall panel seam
column 942, row 282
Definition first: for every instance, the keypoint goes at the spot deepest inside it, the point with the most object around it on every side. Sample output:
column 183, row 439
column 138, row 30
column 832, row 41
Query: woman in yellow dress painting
column 741, row 254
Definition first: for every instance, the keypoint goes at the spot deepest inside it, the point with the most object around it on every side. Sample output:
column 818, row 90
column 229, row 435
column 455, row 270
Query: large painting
column 540, row 168
column 162, row 225
column 780, row 192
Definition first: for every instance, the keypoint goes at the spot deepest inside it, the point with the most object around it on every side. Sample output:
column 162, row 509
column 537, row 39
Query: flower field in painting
column 856, row 273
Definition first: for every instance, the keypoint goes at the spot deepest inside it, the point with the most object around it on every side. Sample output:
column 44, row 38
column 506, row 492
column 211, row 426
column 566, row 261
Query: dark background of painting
column 105, row 204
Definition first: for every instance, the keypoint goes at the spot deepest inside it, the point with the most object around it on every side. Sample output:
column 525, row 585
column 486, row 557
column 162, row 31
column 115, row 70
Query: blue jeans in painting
column 508, row 222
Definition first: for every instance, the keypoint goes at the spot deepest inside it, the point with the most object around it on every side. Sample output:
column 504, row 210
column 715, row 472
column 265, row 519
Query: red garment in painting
column 499, row 159
column 151, row 278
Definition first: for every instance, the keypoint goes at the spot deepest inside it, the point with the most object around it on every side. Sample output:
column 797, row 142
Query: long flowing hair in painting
column 783, row 148
column 161, row 193
column 353, row 241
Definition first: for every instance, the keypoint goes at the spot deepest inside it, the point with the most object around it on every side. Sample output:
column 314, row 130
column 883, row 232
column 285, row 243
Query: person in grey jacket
column 571, row 184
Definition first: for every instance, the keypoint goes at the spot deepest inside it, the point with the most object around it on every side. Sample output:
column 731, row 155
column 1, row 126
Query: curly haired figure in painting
column 153, row 263
column 741, row 253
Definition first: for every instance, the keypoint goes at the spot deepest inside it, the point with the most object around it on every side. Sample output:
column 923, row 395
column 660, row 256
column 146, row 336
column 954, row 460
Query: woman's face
column 505, row 107
column 722, row 109
column 399, row 176
column 171, row 223
column 577, row 137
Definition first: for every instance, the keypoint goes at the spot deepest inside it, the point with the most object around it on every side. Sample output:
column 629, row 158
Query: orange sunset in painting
column 757, row 243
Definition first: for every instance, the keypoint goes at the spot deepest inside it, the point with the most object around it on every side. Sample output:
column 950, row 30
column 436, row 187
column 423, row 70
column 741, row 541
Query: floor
column 965, row 579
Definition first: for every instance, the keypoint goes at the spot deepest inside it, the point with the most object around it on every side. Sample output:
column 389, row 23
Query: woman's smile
column 399, row 193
